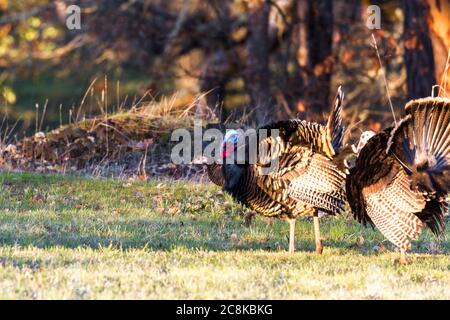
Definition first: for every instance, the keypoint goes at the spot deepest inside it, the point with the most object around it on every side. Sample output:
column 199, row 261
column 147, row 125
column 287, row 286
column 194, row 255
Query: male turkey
column 310, row 175
column 400, row 180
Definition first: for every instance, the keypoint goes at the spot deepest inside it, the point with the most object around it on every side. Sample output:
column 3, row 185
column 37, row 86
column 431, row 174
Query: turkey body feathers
column 399, row 182
column 241, row 182
column 306, row 178
column 214, row 172
column 371, row 166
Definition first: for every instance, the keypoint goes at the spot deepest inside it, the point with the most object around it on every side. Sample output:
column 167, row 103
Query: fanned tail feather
column 421, row 143
column 334, row 123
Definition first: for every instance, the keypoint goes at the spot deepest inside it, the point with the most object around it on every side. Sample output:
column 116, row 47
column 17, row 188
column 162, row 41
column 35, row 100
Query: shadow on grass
column 30, row 263
column 155, row 234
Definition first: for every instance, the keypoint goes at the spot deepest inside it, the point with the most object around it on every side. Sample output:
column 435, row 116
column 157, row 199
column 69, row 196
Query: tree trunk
column 320, row 60
column 347, row 14
column 439, row 26
column 218, row 66
column 214, row 77
column 257, row 73
column 419, row 59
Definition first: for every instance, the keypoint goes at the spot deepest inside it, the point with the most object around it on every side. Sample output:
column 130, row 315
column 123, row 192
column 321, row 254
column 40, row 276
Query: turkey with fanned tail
column 309, row 175
column 400, row 180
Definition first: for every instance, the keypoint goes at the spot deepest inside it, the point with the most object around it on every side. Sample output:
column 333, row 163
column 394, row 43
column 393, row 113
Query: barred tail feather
column 391, row 208
column 421, row 143
column 334, row 123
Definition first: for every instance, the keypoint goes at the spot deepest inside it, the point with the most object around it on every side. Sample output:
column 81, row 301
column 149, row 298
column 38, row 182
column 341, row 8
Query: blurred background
column 257, row 60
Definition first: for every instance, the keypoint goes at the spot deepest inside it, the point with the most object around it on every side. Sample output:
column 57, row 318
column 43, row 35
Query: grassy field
column 73, row 238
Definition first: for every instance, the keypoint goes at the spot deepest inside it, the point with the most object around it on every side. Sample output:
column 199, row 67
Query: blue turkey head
column 230, row 143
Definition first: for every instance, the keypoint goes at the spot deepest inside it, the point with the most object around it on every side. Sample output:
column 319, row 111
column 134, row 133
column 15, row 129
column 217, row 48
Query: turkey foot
column 403, row 259
column 319, row 247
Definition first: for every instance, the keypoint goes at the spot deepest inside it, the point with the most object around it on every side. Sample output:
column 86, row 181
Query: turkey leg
column 403, row 259
column 291, row 235
column 319, row 247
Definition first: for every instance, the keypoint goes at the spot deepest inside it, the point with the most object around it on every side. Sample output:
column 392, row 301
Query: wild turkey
column 400, row 180
column 310, row 176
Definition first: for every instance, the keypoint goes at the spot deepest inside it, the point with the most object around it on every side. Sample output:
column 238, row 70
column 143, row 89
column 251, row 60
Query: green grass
column 72, row 238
